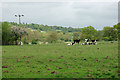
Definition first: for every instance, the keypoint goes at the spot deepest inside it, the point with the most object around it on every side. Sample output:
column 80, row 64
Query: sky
column 76, row 14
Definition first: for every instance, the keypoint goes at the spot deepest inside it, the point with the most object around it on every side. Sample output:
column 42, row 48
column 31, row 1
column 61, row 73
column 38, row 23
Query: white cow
column 30, row 43
column 20, row 43
column 46, row 42
column 71, row 44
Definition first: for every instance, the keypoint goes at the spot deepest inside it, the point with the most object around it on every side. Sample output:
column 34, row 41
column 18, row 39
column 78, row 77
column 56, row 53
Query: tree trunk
column 16, row 42
column 20, row 40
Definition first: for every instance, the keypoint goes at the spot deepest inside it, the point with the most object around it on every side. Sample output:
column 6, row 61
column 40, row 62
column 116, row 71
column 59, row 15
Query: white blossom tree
column 18, row 32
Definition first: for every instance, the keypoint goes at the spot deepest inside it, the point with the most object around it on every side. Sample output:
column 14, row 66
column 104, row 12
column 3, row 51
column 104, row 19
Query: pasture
column 60, row 61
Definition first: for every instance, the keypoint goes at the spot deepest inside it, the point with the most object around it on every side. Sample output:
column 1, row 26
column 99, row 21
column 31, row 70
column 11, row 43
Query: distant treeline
column 48, row 28
column 13, row 33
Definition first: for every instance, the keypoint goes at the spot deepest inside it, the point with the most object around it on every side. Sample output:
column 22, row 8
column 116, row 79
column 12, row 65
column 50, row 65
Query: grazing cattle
column 30, row 43
column 71, row 44
column 112, row 42
column 39, row 42
column 89, row 43
column 93, row 42
column 84, row 43
column 20, row 43
column 46, row 42
column 76, row 41
column 86, row 40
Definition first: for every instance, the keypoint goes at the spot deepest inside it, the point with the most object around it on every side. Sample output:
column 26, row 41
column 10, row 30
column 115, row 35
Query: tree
column 76, row 35
column 110, row 33
column 37, row 35
column 6, row 33
column 118, row 32
column 61, row 36
column 18, row 32
column 89, row 32
column 0, row 33
column 117, row 29
column 99, row 35
column 30, row 36
column 82, row 37
column 67, row 37
column 52, row 37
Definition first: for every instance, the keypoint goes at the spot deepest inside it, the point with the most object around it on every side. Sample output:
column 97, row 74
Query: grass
column 60, row 61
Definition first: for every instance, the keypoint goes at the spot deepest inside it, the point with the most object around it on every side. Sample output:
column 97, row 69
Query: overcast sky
column 74, row 14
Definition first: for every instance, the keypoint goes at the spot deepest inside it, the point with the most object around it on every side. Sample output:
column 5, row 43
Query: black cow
column 77, row 41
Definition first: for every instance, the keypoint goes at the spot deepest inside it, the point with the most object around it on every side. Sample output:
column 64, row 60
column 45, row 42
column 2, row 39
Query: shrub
column 34, row 41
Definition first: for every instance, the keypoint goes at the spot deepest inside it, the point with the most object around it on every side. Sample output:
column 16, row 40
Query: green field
column 60, row 61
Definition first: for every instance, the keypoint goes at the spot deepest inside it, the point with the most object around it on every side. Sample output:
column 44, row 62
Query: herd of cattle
column 87, row 42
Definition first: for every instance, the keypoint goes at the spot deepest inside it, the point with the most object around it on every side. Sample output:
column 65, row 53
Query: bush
column 106, row 38
column 25, row 41
column 34, row 41
column 52, row 37
column 60, row 41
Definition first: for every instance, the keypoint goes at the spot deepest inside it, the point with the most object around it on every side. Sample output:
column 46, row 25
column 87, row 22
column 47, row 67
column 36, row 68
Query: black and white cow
column 71, row 44
column 75, row 41
column 93, row 42
column 86, row 42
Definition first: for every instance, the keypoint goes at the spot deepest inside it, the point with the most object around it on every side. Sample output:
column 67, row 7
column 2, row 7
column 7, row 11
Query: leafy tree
column 117, row 29
column 0, row 33
column 52, row 37
column 67, row 37
column 110, row 33
column 99, row 35
column 61, row 36
column 6, row 33
column 76, row 36
column 89, row 32
column 30, row 36
column 118, row 32
column 82, row 37
column 36, row 35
